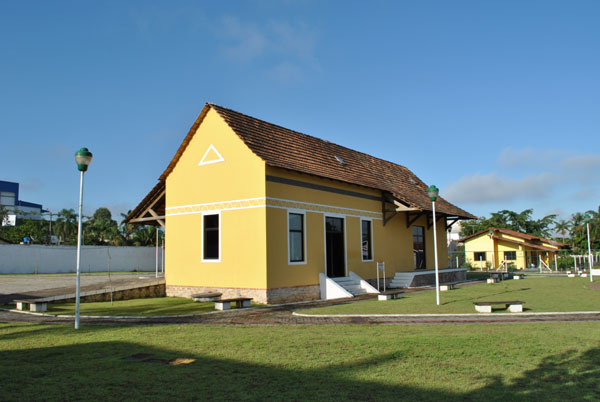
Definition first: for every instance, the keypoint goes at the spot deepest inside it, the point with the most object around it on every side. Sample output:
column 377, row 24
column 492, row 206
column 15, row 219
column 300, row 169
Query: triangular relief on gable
column 211, row 156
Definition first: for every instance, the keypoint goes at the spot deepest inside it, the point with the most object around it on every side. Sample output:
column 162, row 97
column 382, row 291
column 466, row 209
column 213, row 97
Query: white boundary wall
column 31, row 259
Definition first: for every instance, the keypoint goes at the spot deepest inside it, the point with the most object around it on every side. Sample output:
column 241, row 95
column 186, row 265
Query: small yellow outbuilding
column 494, row 248
column 256, row 210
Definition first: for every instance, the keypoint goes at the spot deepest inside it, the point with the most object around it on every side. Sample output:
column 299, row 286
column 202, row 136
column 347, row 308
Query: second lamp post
column 83, row 157
column 433, row 192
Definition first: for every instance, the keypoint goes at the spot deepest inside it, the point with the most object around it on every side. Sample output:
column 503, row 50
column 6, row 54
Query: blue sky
column 497, row 103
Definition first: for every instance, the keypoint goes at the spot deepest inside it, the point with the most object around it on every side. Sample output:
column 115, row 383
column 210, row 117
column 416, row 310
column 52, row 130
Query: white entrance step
column 346, row 286
column 351, row 285
column 402, row 280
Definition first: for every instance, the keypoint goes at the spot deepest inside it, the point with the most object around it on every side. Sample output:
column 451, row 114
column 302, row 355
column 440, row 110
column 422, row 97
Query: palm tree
column 144, row 236
column 562, row 227
column 66, row 224
column 594, row 222
column 127, row 229
column 578, row 230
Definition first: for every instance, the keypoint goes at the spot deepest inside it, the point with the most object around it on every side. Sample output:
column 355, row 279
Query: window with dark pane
column 296, row 237
column 211, row 237
column 510, row 255
column 419, row 246
column 479, row 255
column 367, row 248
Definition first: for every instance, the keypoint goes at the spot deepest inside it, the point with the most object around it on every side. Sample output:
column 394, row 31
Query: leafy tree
column 506, row 219
column 65, row 226
column 3, row 215
column 145, row 236
column 563, row 227
column 101, row 229
column 127, row 229
column 36, row 230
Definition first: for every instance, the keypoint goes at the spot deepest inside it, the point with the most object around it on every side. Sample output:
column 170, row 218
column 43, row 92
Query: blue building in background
column 9, row 199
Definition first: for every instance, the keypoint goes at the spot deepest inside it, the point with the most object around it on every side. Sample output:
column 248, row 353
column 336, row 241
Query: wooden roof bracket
column 430, row 219
column 449, row 225
column 386, row 198
column 154, row 216
column 412, row 218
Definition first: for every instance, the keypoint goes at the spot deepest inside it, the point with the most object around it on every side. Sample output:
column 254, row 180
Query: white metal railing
column 544, row 265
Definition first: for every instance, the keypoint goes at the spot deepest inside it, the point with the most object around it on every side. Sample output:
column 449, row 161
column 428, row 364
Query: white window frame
column 370, row 240
column 208, row 213
column 287, row 226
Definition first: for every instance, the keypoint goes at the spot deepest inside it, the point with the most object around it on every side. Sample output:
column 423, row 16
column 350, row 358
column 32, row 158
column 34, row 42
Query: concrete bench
column 448, row 286
column 205, row 297
column 583, row 275
column 571, row 275
column 517, row 277
column 34, row 305
column 512, row 306
column 389, row 295
column 225, row 304
column 492, row 280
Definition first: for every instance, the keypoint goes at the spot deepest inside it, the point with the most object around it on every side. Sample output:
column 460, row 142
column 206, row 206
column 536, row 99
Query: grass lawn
column 539, row 295
column 516, row 362
column 136, row 307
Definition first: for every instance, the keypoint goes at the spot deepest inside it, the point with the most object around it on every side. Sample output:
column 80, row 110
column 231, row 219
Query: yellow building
column 494, row 247
column 257, row 210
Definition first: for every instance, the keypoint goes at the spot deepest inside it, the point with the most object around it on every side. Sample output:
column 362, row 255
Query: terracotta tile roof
column 287, row 149
column 525, row 243
column 527, row 238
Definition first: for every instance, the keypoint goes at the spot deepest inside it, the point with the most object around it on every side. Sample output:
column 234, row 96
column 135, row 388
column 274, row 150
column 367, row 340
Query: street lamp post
column 433, row 192
column 83, row 158
column 590, row 258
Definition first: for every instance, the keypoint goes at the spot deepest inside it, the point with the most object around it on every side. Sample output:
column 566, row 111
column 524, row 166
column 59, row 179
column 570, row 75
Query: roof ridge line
column 301, row 133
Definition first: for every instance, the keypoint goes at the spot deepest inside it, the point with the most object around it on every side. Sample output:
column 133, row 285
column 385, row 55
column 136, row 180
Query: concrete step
column 350, row 284
column 401, row 280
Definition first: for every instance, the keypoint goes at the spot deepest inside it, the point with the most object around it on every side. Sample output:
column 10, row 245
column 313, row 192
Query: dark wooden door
column 334, row 247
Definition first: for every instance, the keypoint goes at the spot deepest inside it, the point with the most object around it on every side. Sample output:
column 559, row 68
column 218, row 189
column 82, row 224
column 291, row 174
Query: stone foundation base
column 261, row 296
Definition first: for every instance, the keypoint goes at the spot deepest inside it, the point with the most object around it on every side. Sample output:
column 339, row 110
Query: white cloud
column 581, row 162
column 531, row 174
column 492, row 188
column 246, row 41
column 285, row 50
column 583, row 195
column 528, row 157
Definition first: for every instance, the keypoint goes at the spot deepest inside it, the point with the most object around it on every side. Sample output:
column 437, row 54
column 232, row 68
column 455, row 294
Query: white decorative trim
column 305, row 251
column 216, row 203
column 208, row 213
column 211, row 147
column 270, row 202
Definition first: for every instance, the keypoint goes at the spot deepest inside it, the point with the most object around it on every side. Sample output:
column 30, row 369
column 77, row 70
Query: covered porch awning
column 151, row 211
column 413, row 212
